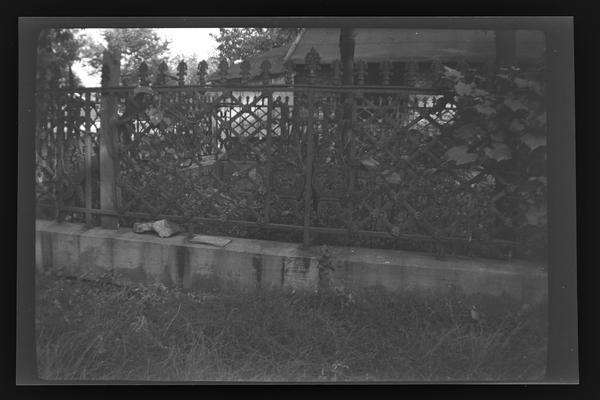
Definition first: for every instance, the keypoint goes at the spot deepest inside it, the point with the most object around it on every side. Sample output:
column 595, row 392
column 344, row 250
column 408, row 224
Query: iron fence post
column 60, row 142
column 88, row 160
column 308, row 169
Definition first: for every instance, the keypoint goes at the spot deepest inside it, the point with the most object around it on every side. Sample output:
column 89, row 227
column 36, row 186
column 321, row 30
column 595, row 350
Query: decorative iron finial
column 313, row 63
column 202, row 70
column 245, row 71
column 336, row 67
column 161, row 78
column 289, row 72
column 181, row 72
column 265, row 68
column 223, row 70
column 386, row 72
column 412, row 71
column 143, row 74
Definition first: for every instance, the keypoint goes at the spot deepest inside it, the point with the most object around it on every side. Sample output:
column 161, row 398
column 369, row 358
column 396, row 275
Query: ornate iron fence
column 325, row 163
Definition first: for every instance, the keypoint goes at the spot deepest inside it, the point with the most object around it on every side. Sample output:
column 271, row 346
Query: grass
column 97, row 330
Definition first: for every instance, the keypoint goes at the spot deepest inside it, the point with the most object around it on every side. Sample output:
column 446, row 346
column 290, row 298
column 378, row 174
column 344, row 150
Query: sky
column 184, row 41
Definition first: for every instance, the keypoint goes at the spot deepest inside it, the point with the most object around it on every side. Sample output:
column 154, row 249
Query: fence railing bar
column 299, row 228
column 287, row 88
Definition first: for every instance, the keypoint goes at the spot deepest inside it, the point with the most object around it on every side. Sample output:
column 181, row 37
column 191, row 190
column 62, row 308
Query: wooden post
column 108, row 139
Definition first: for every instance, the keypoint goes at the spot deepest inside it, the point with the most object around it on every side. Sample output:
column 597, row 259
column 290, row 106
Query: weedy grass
column 99, row 330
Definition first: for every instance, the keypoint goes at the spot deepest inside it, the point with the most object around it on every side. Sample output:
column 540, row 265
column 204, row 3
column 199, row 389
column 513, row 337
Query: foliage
column 134, row 46
column 240, row 43
column 56, row 52
column 109, row 328
column 500, row 129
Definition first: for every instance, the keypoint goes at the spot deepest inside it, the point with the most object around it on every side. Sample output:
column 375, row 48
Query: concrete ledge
column 252, row 264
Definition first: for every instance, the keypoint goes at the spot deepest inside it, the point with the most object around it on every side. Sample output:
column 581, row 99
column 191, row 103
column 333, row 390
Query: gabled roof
column 401, row 45
column 274, row 56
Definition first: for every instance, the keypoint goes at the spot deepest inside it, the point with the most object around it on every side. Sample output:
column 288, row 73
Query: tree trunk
column 108, row 140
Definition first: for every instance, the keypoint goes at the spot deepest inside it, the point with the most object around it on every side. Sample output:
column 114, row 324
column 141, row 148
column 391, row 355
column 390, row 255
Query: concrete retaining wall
column 251, row 264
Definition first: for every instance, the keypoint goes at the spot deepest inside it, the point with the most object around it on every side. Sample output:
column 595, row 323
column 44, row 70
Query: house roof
column 274, row 56
column 401, row 45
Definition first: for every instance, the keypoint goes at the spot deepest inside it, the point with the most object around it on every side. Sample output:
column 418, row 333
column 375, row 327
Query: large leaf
column 515, row 104
column 533, row 141
column 467, row 131
column 528, row 84
column 498, row 152
column 460, row 155
column 523, row 83
column 539, row 120
column 463, row 89
column 536, row 215
column 479, row 93
column 155, row 115
column 485, row 109
column 516, row 126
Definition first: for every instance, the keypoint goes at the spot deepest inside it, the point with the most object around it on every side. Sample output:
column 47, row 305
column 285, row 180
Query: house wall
column 373, row 76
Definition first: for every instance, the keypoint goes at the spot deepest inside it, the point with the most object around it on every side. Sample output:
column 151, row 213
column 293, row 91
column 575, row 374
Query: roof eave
column 293, row 46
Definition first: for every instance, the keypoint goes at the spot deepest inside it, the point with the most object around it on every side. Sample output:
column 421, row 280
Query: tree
column 500, row 128
column 134, row 46
column 240, row 43
column 57, row 50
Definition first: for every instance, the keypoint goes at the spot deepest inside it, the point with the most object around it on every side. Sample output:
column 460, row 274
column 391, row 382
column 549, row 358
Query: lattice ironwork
column 66, row 153
column 240, row 156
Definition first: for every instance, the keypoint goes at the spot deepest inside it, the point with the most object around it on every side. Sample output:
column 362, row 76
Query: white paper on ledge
column 214, row 241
